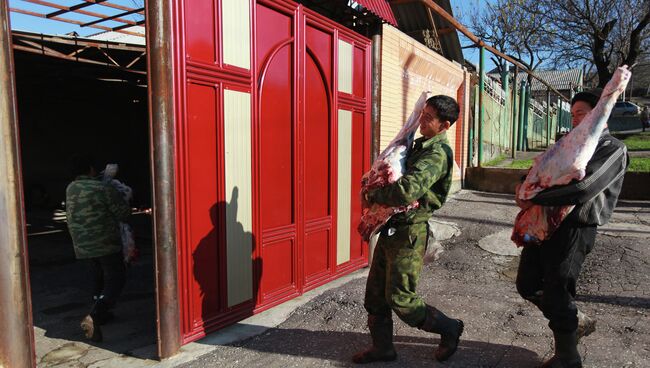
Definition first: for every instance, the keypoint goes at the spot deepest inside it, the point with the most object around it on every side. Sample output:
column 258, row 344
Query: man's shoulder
column 609, row 142
column 86, row 186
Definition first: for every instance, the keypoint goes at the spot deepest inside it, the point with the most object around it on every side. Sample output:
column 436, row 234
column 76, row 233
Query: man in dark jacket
column 94, row 210
column 548, row 272
column 399, row 254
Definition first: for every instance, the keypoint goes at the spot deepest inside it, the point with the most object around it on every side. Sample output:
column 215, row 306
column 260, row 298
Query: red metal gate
column 295, row 141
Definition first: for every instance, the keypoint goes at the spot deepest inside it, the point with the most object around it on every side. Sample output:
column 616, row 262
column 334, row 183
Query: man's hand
column 523, row 204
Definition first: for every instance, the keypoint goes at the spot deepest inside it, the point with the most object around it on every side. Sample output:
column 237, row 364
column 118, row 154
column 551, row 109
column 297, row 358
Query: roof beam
column 110, row 5
column 76, row 41
column 72, row 58
column 138, row 23
column 71, row 21
column 73, row 8
column 112, row 17
column 80, row 11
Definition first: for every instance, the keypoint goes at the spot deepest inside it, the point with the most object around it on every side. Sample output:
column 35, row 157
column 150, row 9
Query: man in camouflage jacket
column 94, row 210
column 399, row 254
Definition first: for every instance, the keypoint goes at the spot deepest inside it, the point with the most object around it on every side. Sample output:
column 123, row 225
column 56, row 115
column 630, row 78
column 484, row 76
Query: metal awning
column 126, row 57
column 380, row 8
column 103, row 13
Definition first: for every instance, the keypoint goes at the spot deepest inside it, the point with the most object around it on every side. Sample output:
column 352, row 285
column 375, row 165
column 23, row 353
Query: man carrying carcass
column 399, row 253
column 548, row 272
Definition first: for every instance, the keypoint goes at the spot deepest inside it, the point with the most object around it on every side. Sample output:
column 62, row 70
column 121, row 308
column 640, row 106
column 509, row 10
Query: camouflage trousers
column 394, row 273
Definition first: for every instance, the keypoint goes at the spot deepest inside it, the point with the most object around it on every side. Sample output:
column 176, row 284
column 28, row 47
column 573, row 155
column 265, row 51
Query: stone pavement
column 472, row 280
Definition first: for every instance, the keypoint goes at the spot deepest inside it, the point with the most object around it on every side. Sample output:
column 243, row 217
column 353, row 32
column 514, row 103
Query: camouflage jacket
column 94, row 210
column 427, row 179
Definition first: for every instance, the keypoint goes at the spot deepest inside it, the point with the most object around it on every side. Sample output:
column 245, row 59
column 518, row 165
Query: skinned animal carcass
column 564, row 162
column 388, row 168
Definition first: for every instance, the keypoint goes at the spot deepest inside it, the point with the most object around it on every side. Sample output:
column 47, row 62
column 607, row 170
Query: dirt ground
column 467, row 282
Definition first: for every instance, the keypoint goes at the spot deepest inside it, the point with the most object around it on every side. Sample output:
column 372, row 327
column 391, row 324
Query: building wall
column 407, row 69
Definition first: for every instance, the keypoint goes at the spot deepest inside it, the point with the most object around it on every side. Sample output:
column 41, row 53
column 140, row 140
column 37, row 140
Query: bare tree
column 598, row 33
column 514, row 28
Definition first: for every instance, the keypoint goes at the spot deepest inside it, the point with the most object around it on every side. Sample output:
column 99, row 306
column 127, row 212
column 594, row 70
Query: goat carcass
column 388, row 167
column 564, row 162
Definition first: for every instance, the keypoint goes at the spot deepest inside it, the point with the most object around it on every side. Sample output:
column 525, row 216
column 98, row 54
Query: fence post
column 548, row 117
column 505, row 76
column 481, row 90
column 515, row 115
column 520, row 120
column 526, row 116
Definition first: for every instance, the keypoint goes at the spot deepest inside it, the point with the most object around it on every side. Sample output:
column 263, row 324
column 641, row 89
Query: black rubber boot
column 566, row 351
column 449, row 329
column 382, row 350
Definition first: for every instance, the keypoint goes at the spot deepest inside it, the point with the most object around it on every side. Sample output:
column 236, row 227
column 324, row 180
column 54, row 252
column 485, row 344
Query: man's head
column 439, row 113
column 83, row 165
column 581, row 104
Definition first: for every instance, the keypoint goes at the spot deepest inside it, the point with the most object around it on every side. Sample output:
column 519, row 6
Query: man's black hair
column 590, row 98
column 446, row 107
column 81, row 165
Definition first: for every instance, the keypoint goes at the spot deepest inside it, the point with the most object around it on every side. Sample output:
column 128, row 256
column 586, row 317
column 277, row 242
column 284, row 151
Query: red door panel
column 359, row 72
column 200, row 31
column 276, row 126
column 318, row 179
column 202, row 189
column 276, row 276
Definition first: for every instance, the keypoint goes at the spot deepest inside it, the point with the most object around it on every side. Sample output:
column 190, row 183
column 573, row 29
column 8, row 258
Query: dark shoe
column 566, row 351
column 91, row 329
column 382, row 350
column 586, row 325
column 449, row 329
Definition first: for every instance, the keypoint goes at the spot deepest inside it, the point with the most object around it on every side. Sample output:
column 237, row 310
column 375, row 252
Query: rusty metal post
column 17, row 339
column 160, row 61
column 376, row 95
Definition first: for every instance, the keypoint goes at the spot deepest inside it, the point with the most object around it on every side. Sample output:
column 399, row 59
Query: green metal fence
column 535, row 124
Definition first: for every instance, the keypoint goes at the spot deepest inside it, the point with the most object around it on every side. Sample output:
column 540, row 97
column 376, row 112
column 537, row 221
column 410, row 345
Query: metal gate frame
column 17, row 344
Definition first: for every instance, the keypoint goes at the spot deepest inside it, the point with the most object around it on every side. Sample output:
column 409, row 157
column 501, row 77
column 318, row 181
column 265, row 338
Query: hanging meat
column 388, row 167
column 564, row 162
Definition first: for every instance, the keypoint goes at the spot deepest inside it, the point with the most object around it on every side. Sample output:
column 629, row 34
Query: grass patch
column 521, row 164
column 495, row 161
column 639, row 164
column 636, row 141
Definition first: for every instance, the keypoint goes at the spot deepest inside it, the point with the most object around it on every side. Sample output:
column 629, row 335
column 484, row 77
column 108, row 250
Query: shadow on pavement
column 625, row 301
column 413, row 351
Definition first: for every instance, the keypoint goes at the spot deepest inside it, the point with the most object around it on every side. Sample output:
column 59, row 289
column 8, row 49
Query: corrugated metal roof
column 559, row 79
column 122, row 37
column 414, row 17
column 380, row 8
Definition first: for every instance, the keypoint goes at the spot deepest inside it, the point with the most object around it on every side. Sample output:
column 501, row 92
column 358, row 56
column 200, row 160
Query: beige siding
column 344, row 187
column 408, row 68
column 345, row 67
column 236, row 32
column 239, row 224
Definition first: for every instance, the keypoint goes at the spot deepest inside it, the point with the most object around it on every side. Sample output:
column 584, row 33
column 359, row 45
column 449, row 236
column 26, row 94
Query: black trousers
column 109, row 276
column 548, row 273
